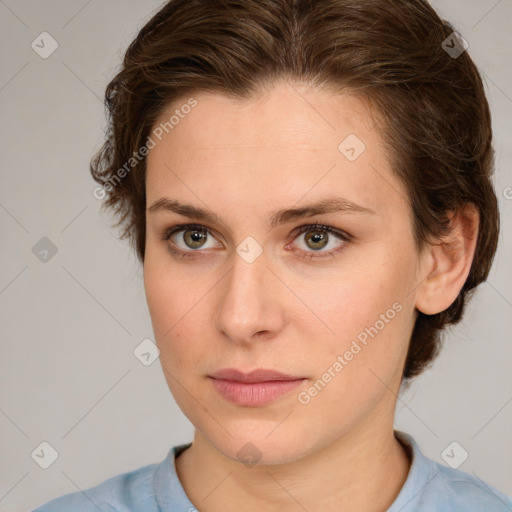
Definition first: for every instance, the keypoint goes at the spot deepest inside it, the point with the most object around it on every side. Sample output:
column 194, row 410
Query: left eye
column 318, row 237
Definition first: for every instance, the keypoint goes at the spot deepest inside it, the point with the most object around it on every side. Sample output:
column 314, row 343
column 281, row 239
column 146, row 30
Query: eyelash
column 301, row 230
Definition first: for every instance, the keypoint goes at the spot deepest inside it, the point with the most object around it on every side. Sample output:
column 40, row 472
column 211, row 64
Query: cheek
column 176, row 334
column 371, row 314
column 159, row 297
column 165, row 289
column 356, row 369
column 359, row 298
column 176, row 306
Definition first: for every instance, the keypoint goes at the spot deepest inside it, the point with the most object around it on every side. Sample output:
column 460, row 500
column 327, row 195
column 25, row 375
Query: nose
column 248, row 307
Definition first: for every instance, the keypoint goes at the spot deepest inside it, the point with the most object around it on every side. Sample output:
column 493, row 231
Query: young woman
column 308, row 187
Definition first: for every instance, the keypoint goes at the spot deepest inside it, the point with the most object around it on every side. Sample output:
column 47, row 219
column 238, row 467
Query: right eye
column 194, row 238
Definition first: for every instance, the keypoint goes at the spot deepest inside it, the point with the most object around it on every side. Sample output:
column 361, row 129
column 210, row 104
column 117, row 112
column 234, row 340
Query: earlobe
column 447, row 263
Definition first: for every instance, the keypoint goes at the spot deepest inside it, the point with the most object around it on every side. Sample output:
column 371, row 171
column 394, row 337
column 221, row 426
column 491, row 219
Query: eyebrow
column 275, row 218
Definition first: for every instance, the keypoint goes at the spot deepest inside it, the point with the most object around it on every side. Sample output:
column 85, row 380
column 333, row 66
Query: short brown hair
column 437, row 125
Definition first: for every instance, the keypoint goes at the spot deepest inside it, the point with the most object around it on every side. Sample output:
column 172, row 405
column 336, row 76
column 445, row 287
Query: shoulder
column 122, row 493
column 455, row 490
column 433, row 486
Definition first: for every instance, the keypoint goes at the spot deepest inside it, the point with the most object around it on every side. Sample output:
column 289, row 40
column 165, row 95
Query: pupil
column 318, row 238
column 195, row 237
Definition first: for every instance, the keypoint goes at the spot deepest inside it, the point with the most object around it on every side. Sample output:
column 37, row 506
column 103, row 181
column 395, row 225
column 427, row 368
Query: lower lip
column 252, row 394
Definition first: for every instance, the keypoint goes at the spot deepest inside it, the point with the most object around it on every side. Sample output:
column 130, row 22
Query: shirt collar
column 170, row 495
column 421, row 473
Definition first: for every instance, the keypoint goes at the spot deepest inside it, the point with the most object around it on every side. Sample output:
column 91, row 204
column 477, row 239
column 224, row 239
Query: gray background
column 69, row 326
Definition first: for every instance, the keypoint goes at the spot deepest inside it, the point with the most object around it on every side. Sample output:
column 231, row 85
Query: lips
column 259, row 375
column 255, row 388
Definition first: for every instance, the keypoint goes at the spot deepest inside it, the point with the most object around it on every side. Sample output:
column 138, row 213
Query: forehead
column 287, row 143
column 281, row 115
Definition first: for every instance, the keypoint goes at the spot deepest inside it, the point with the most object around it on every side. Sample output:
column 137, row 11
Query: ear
column 446, row 264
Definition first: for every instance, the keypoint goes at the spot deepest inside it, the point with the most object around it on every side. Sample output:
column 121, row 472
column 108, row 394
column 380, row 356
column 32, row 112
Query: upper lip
column 258, row 375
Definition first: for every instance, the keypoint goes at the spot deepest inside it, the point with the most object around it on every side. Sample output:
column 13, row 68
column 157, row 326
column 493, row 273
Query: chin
column 254, row 443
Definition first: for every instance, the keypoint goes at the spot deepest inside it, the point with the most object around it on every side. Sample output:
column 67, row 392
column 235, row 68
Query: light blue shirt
column 429, row 487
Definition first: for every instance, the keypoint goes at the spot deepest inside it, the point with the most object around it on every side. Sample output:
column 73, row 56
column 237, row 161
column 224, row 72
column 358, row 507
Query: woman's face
column 246, row 290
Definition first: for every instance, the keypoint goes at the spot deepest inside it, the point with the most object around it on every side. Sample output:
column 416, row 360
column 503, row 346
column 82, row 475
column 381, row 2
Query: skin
column 244, row 159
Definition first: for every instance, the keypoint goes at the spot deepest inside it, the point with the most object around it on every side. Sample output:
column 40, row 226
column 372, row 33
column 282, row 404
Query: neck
column 362, row 470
